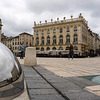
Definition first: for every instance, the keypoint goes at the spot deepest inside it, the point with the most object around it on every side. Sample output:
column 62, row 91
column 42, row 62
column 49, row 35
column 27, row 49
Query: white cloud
column 19, row 16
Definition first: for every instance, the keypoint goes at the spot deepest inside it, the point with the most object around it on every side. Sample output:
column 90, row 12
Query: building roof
column 25, row 34
column 64, row 21
column 16, row 37
column 10, row 38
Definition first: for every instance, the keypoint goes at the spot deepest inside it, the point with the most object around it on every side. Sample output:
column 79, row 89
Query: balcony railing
column 47, row 43
column 54, row 43
column 68, row 43
column 75, row 42
column 62, row 21
column 36, row 44
column 60, row 43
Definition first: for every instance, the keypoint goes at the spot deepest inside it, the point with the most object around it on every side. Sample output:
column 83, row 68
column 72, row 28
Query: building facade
column 0, row 29
column 4, row 39
column 26, row 39
column 14, row 43
column 57, row 35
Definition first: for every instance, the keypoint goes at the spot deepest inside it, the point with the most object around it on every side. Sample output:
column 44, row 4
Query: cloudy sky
column 19, row 15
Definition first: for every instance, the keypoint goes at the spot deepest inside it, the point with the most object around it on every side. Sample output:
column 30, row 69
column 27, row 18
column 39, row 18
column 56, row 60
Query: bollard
column 30, row 57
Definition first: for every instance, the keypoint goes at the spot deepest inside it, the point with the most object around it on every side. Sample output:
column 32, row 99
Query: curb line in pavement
column 64, row 96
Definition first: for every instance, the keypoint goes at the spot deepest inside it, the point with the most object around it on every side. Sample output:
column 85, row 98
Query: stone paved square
column 65, row 75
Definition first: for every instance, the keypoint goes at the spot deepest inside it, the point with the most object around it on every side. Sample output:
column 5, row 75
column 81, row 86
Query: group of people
column 71, row 52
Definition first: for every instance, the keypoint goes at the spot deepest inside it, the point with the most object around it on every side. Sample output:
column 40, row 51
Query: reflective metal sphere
column 8, row 65
column 10, row 72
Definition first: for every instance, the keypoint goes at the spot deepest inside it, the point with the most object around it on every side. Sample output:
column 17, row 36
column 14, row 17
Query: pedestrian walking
column 71, row 52
column 22, row 51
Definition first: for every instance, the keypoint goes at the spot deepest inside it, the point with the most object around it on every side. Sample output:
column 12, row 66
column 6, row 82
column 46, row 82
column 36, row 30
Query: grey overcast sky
column 19, row 15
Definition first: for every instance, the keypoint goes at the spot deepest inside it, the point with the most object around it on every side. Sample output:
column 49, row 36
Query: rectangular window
column 37, row 33
column 48, row 41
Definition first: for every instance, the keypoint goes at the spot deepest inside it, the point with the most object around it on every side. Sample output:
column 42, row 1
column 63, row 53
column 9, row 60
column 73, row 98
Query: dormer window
column 42, row 32
column 61, row 30
column 68, row 30
column 48, row 32
column 54, row 30
column 37, row 33
column 75, row 28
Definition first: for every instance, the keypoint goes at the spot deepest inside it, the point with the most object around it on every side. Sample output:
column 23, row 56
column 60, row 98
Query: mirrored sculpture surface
column 7, row 63
column 11, row 74
column 9, row 68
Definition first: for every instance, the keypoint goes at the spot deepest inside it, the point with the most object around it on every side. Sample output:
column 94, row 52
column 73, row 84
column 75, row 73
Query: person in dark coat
column 71, row 52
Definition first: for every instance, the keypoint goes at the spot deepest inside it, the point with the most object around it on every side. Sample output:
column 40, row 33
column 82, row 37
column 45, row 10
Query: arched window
column 61, row 39
column 75, row 48
column 67, row 48
column 60, row 48
column 42, row 40
column 54, row 30
column 54, row 39
column 48, row 48
column 42, row 32
column 42, row 49
column 75, row 38
column 68, row 30
column 48, row 31
column 75, row 28
column 54, row 48
column 61, row 30
column 68, row 39
column 48, row 40
column 37, row 40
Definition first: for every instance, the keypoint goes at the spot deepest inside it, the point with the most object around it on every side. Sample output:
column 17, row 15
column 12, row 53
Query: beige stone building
column 14, row 43
column 57, row 35
column 9, row 42
column 26, row 39
column 0, row 29
column 4, row 39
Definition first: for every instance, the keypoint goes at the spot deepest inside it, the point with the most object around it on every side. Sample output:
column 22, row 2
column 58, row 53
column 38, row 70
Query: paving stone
column 82, row 82
column 42, row 92
column 47, row 97
column 38, row 86
column 33, row 78
column 82, row 96
column 28, row 73
column 65, row 91
column 51, row 76
column 58, row 80
column 46, row 73
column 66, row 87
column 71, row 86
column 36, row 81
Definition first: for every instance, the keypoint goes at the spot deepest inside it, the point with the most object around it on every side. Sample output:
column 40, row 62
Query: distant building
column 4, row 39
column 26, row 39
column 10, row 42
column 57, row 35
column 0, row 29
column 14, row 43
